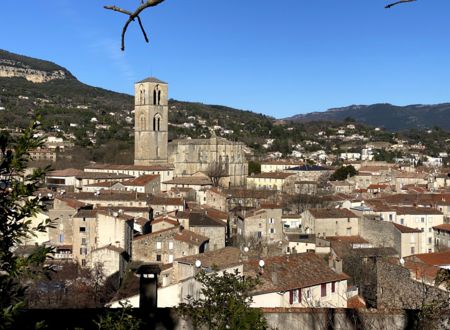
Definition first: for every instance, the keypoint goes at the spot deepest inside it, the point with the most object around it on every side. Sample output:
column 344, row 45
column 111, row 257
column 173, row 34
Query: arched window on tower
column 142, row 122
column 159, row 97
column 141, row 95
column 154, row 96
column 157, row 122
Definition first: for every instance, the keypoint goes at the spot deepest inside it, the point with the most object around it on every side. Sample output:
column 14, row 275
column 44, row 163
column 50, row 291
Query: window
column 61, row 238
column 83, row 262
column 158, row 257
column 390, row 217
column 259, row 234
column 333, row 287
column 295, row 296
column 412, row 250
column 271, row 221
column 422, row 220
column 170, row 245
column 430, row 240
column 158, row 245
column 402, row 221
column 323, row 290
column 82, row 229
column 272, row 230
column 83, row 241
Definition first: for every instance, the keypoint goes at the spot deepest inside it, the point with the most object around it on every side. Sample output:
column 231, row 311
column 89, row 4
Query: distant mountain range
column 42, row 80
column 385, row 115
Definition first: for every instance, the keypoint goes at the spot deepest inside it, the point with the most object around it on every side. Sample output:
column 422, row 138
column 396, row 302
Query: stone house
column 205, row 225
column 405, row 240
column 330, row 222
column 343, row 187
column 165, row 205
column 309, row 172
column 227, row 199
column 442, row 236
column 260, row 225
column 168, row 244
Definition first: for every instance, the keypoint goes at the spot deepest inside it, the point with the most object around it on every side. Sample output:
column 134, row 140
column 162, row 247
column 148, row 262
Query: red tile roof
column 141, row 180
column 356, row 302
column 283, row 273
column 444, row 227
column 405, row 229
column 434, row 259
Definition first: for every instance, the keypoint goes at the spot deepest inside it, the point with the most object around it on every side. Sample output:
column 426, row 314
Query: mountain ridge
column 385, row 115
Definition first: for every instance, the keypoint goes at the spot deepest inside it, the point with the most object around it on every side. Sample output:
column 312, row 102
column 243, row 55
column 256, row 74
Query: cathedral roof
column 152, row 80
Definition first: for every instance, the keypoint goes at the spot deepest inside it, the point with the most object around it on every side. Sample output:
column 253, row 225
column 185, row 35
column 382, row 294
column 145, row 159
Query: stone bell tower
column 151, row 122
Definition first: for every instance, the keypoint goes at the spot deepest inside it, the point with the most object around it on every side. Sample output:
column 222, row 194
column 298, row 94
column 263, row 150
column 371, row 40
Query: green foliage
column 17, row 205
column 343, row 173
column 122, row 319
column 223, row 303
column 386, row 156
column 254, row 167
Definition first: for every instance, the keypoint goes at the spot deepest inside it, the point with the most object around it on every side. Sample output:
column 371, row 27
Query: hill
column 388, row 116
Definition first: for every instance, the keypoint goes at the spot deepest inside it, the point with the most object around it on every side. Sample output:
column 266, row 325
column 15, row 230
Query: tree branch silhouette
column 132, row 16
column 398, row 2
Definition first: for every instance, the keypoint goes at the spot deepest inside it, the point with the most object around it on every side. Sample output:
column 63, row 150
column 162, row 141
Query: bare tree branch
column 398, row 2
column 133, row 16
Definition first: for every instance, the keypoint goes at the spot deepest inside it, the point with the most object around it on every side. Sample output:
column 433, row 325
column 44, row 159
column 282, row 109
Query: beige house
column 279, row 165
column 273, row 181
column 147, row 183
column 423, row 219
column 199, row 183
column 165, row 171
column 297, row 280
column 330, row 222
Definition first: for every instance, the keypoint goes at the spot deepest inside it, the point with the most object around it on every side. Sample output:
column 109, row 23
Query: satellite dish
column 198, row 263
column 402, row 261
column 261, row 263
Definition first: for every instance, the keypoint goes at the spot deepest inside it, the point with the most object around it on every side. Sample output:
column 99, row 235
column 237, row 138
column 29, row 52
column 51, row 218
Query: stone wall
column 396, row 288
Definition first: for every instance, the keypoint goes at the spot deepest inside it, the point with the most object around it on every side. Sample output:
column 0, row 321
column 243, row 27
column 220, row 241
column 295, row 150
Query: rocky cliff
column 7, row 70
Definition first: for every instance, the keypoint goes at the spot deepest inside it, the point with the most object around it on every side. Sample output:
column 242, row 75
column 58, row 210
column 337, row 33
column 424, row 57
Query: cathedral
column 188, row 156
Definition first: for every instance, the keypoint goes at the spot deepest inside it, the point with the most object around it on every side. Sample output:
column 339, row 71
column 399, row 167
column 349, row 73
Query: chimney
column 148, row 288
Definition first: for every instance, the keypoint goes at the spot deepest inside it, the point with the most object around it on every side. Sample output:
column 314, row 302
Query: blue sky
column 275, row 57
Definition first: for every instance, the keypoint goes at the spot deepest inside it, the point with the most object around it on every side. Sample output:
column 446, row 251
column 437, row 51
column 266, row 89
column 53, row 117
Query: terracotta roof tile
column 405, row 229
column 283, row 273
column 141, row 180
column 444, row 227
column 222, row 258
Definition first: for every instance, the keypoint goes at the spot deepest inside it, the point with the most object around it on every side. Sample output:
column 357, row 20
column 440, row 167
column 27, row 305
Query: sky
column 279, row 58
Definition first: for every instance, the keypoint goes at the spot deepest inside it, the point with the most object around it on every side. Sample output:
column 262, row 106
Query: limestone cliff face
column 11, row 69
